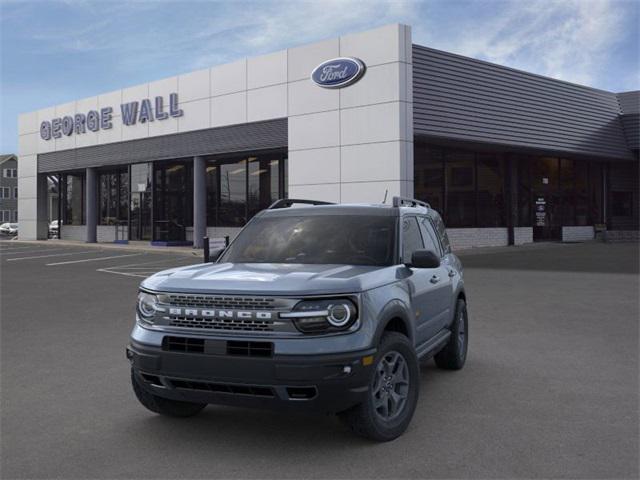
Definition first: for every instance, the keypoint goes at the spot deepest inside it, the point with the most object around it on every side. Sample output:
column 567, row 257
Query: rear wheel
column 454, row 354
column 164, row 406
column 393, row 392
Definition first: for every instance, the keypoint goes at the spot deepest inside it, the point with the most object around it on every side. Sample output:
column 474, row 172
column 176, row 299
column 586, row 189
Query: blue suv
column 313, row 306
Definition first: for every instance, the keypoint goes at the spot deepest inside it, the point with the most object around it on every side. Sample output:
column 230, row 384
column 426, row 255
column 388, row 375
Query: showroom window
column 429, row 176
column 113, row 195
column 572, row 190
column 238, row 188
column 623, row 213
column 173, row 200
column 466, row 187
column 73, row 199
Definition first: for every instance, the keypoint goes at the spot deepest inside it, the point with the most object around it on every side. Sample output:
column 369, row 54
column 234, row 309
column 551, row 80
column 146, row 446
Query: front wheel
column 393, row 392
column 454, row 354
column 164, row 406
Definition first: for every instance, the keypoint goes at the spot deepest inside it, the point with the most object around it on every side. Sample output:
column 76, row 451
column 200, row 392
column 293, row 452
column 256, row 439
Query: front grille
column 253, row 390
column 250, row 349
column 245, row 325
column 221, row 302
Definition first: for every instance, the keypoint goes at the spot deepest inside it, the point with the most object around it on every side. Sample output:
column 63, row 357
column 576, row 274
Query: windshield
column 332, row 239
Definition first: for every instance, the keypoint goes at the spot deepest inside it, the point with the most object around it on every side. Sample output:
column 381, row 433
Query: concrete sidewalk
column 131, row 246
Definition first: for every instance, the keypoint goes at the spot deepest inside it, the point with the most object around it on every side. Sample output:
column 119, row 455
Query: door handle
column 435, row 279
column 452, row 273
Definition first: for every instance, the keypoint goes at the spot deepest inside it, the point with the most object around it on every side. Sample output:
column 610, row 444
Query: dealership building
column 506, row 156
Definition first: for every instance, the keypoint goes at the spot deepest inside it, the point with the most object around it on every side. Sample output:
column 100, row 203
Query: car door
column 444, row 273
column 424, row 283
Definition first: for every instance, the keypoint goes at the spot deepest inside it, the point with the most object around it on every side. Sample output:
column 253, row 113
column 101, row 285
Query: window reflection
column 173, row 200
column 73, row 199
column 113, row 197
column 491, row 199
column 238, row 188
column 471, row 189
column 460, row 189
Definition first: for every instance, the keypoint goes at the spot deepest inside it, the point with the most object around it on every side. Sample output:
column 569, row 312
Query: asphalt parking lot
column 550, row 388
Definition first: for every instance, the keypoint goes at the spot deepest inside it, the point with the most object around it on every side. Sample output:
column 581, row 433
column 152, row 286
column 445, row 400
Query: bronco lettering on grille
column 234, row 314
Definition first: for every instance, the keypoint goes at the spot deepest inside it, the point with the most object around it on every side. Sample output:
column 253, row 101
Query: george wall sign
column 94, row 120
column 339, row 72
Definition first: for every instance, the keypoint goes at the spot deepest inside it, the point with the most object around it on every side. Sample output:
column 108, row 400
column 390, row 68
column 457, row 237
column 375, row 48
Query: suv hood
column 270, row 279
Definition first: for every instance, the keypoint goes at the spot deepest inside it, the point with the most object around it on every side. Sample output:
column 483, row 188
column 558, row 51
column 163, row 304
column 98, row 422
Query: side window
column 430, row 238
column 442, row 233
column 411, row 238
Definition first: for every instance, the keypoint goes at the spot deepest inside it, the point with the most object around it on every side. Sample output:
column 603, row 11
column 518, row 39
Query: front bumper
column 319, row 383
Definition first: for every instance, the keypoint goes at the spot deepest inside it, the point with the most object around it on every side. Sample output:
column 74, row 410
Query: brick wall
column 615, row 236
column 522, row 235
column 462, row 238
column 577, row 234
column 107, row 233
column 74, row 232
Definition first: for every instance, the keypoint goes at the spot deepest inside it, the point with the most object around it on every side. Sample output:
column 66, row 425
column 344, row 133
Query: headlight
column 323, row 316
column 147, row 304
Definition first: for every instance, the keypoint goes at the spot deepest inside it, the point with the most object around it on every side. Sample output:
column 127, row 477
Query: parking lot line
column 49, row 255
column 92, row 259
column 126, row 274
column 39, row 250
column 20, row 249
column 144, row 269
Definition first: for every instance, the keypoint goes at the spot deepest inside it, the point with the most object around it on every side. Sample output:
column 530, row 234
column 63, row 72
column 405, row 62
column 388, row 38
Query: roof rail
column 410, row 202
column 287, row 202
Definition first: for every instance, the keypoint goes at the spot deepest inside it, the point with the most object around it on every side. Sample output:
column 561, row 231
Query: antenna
column 385, row 196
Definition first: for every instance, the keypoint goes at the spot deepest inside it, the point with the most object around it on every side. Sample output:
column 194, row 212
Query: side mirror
column 424, row 259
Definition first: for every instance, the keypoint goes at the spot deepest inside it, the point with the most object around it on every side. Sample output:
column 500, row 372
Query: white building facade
column 198, row 154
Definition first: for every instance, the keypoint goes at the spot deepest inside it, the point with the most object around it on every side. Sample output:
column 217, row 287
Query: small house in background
column 9, row 188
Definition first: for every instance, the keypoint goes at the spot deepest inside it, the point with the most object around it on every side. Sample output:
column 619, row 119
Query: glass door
column 546, row 201
column 140, row 213
column 140, row 219
column 173, row 200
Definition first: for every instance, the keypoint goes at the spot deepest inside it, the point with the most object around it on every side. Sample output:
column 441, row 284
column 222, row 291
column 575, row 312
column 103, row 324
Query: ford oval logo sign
column 338, row 73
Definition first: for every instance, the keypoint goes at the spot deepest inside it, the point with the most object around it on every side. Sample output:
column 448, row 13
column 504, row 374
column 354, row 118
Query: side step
column 431, row 347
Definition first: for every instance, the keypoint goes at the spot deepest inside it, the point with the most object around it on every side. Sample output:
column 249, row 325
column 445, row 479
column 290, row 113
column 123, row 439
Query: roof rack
column 410, row 202
column 287, row 202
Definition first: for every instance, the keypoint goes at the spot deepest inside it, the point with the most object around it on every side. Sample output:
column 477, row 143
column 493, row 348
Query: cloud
column 569, row 40
column 266, row 26
column 59, row 50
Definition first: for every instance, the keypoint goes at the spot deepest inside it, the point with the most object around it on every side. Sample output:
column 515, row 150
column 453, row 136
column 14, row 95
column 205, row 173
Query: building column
column 91, row 205
column 512, row 198
column 199, row 201
column 42, row 215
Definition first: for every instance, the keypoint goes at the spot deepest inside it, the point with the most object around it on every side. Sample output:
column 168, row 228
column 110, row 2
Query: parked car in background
column 54, row 229
column 9, row 229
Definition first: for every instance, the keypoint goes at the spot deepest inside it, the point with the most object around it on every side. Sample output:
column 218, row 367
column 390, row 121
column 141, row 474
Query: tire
column 164, row 406
column 454, row 354
column 368, row 419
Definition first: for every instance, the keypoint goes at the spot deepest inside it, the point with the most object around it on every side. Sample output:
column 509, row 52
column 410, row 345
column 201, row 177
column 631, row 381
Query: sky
column 55, row 51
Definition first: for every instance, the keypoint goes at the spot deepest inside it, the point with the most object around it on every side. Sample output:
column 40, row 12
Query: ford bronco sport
column 320, row 307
